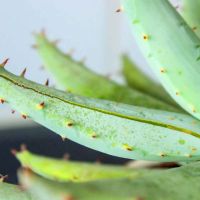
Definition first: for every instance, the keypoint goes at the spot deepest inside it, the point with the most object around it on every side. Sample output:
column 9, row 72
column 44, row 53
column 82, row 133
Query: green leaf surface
column 14, row 192
column 190, row 12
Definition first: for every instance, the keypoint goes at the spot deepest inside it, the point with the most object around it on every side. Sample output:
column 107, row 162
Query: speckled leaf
column 116, row 129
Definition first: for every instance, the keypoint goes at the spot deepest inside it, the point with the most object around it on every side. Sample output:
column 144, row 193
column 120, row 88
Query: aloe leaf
column 65, row 170
column 113, row 128
column 171, row 48
column 73, row 76
column 190, row 12
column 140, row 81
column 13, row 192
column 179, row 183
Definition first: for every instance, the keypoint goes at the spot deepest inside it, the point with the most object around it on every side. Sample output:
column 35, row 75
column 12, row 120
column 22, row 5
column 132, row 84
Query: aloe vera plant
column 98, row 116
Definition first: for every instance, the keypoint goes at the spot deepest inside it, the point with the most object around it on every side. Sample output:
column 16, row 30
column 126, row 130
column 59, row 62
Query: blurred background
column 93, row 29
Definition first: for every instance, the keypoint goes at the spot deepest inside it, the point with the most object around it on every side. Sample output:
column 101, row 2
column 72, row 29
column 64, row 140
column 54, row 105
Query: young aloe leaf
column 75, row 77
column 190, row 12
column 170, row 46
column 138, row 80
column 113, row 128
column 64, row 171
column 180, row 183
column 13, row 192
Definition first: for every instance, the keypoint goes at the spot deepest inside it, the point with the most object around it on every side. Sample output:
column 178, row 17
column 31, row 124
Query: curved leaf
column 113, row 128
column 64, row 171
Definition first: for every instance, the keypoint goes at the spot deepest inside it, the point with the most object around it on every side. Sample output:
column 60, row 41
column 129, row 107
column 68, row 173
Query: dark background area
column 44, row 142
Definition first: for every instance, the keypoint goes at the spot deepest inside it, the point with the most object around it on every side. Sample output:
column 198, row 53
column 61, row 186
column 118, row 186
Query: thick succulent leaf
column 180, row 183
column 190, row 12
column 171, row 48
column 73, row 76
column 65, row 170
column 140, row 81
column 116, row 129
column 13, row 192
